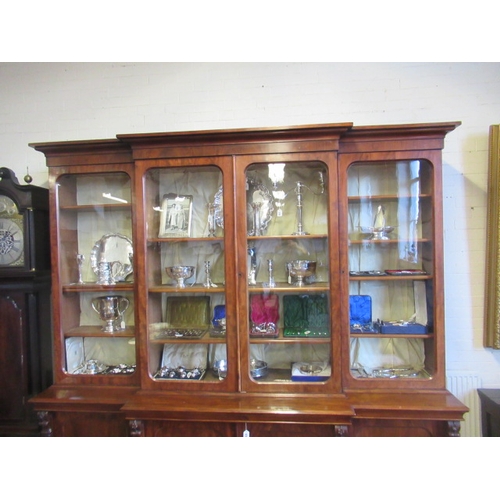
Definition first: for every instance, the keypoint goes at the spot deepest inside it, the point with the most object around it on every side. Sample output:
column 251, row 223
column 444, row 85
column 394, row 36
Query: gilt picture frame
column 176, row 216
column 492, row 293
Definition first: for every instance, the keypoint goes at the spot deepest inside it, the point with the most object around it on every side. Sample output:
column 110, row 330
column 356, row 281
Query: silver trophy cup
column 180, row 274
column 110, row 308
column 301, row 269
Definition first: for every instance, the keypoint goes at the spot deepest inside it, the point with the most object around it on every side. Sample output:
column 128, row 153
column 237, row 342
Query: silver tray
column 178, row 333
column 180, row 372
column 110, row 248
column 95, row 367
column 188, row 312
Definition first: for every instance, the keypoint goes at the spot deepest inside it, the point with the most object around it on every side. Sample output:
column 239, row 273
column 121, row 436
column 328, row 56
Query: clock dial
column 7, row 207
column 11, row 243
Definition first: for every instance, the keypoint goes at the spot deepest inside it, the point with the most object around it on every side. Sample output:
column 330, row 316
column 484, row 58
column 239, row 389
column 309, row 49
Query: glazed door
column 391, row 249
column 189, row 316
column 288, row 273
column 94, row 279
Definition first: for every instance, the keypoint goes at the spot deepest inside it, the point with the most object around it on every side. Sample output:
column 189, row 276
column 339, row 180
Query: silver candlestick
column 270, row 280
column 208, row 280
column 211, row 220
column 279, row 198
column 252, row 271
column 80, row 259
column 298, row 191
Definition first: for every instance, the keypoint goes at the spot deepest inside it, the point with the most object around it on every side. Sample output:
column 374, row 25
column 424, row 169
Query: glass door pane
column 288, row 288
column 391, row 263
column 96, row 274
column 186, row 275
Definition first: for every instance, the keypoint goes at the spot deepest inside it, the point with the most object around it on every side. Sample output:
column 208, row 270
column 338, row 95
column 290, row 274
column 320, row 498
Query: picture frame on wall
column 492, row 292
column 176, row 216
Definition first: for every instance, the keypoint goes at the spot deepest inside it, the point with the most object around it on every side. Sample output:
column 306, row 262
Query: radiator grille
column 463, row 386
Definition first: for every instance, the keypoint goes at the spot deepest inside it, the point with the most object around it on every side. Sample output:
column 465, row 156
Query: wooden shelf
column 96, row 331
column 388, row 277
column 196, row 288
column 96, row 207
column 187, row 240
column 387, row 242
column 385, row 197
column 392, row 335
column 290, row 340
column 288, row 237
column 285, row 287
column 205, row 339
column 94, row 287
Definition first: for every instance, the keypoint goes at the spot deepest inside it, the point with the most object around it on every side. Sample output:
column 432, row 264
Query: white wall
column 66, row 101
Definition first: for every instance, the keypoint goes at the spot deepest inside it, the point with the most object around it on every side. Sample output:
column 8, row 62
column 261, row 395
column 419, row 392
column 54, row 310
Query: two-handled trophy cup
column 110, row 308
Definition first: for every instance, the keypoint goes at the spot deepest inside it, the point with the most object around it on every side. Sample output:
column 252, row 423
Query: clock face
column 11, row 234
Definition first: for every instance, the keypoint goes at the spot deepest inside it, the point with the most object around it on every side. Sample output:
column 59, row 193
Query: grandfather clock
column 25, row 318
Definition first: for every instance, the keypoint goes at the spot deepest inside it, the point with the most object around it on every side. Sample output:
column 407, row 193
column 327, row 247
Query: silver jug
column 107, row 272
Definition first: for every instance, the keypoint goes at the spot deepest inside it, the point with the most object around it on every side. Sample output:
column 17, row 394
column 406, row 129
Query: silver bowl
column 219, row 368
column 180, row 274
column 311, row 368
column 377, row 233
column 301, row 269
column 258, row 368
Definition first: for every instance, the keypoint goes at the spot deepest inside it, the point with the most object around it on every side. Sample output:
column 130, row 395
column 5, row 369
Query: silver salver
column 113, row 248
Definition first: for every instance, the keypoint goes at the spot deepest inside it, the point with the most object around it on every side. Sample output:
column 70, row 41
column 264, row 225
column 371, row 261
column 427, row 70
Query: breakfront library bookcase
column 280, row 281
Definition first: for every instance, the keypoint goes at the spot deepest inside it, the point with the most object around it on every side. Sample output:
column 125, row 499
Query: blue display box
column 402, row 328
column 360, row 309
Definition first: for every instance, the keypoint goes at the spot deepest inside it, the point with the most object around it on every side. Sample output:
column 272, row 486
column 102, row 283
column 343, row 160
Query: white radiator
column 464, row 385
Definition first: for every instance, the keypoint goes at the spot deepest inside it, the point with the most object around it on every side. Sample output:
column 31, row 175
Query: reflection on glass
column 391, row 266
column 288, row 285
column 185, row 265
column 95, row 261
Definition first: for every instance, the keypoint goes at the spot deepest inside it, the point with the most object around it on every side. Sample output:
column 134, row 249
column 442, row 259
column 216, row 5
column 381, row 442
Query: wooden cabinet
column 281, row 281
column 490, row 412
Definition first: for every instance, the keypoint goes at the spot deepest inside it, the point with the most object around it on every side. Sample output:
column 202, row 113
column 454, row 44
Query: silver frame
column 167, row 205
